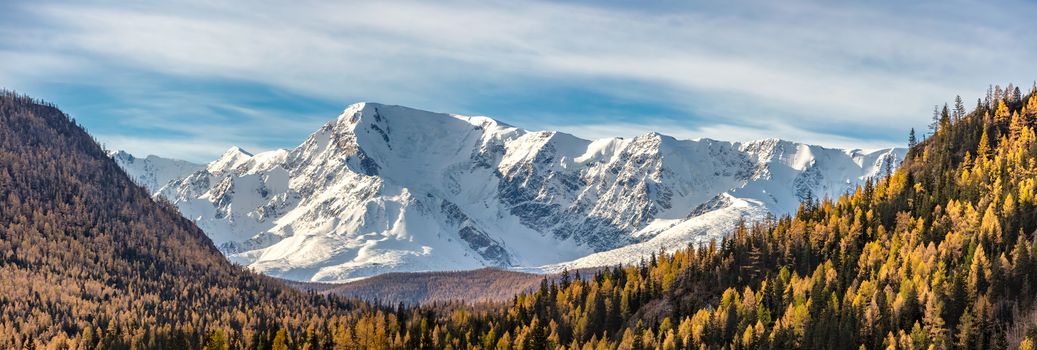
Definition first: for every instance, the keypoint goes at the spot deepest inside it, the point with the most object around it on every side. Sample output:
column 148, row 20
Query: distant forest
column 482, row 285
column 939, row 254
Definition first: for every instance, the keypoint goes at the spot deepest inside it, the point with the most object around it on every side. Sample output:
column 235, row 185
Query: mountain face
column 392, row 189
column 153, row 172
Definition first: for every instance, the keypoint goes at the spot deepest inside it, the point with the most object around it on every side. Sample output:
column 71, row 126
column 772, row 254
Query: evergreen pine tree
column 959, row 109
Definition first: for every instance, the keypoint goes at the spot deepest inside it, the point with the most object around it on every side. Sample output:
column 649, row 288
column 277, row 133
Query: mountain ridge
column 387, row 188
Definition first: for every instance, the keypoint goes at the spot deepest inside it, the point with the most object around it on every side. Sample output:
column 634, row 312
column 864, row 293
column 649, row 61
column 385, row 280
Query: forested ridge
column 939, row 254
column 486, row 284
column 89, row 261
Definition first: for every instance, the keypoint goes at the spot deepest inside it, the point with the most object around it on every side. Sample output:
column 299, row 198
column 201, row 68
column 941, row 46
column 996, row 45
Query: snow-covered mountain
column 392, row 189
column 153, row 172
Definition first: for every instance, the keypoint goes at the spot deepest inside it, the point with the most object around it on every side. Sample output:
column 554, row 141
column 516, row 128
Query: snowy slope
column 784, row 175
column 393, row 189
column 153, row 172
column 696, row 230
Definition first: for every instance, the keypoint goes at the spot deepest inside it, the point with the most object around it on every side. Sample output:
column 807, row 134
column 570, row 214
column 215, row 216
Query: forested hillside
column 412, row 288
column 939, row 254
column 89, row 261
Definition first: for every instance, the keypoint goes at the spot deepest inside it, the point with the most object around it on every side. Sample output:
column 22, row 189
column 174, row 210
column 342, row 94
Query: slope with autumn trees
column 939, row 254
column 89, row 261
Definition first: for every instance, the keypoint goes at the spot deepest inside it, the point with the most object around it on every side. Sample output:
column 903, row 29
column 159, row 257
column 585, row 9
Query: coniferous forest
column 939, row 254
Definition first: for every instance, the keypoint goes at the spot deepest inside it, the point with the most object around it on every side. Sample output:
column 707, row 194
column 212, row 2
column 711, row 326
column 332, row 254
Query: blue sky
column 188, row 79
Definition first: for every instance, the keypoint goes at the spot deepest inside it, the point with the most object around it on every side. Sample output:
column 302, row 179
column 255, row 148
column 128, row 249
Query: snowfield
column 393, row 189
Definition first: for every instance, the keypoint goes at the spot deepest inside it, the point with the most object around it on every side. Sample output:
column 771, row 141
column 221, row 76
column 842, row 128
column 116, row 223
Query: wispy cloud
column 198, row 150
column 730, row 132
column 819, row 72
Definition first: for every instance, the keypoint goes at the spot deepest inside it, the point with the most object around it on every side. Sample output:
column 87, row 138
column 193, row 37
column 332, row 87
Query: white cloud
column 35, row 66
column 719, row 131
column 772, row 69
column 199, row 150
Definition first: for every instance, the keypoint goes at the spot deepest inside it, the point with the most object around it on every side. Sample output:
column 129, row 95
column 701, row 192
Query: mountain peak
column 353, row 108
column 372, row 113
column 230, row 159
column 235, row 150
column 380, row 112
column 767, row 143
column 121, row 155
